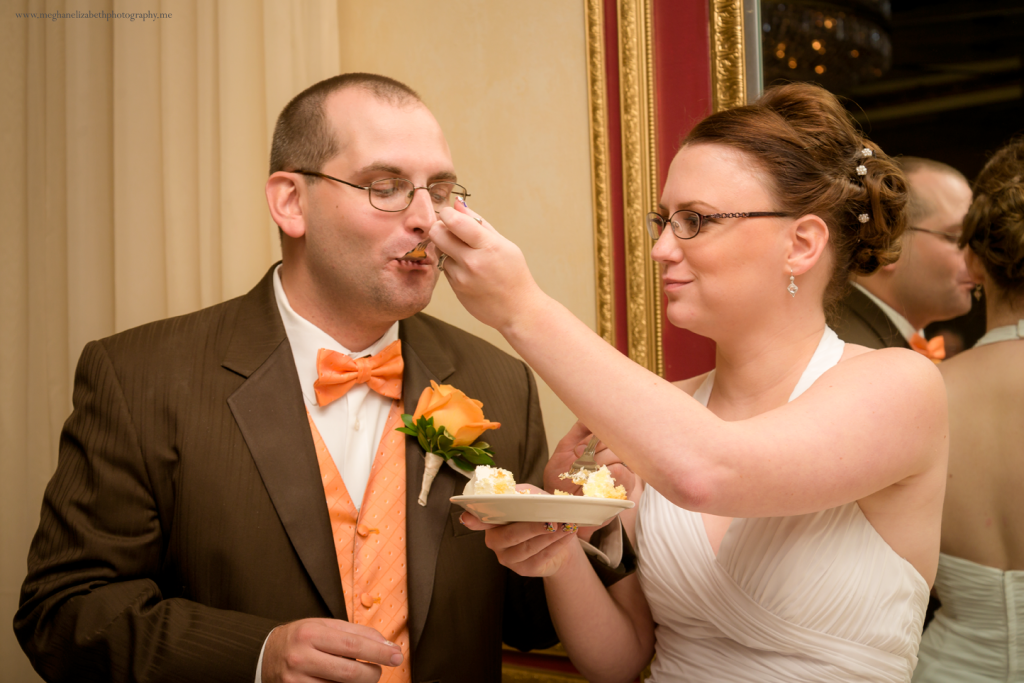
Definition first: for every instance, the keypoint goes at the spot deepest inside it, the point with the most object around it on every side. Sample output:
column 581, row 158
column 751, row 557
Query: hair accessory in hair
column 864, row 218
column 866, row 152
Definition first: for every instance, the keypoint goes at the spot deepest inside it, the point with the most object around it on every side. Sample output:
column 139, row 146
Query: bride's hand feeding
column 487, row 272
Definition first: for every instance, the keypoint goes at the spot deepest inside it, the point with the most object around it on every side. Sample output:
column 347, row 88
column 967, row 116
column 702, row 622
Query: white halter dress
column 818, row 597
column 978, row 633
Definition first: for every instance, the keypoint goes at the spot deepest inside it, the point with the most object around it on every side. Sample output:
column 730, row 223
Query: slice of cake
column 491, row 481
column 597, row 484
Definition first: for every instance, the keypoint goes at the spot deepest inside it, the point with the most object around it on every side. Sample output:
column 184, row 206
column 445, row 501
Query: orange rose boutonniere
column 447, row 424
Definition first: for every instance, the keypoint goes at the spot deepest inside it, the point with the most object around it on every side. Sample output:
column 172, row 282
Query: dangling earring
column 792, row 288
column 978, row 291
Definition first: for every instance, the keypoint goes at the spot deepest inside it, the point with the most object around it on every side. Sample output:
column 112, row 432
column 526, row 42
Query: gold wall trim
column 728, row 77
column 604, row 269
column 639, row 180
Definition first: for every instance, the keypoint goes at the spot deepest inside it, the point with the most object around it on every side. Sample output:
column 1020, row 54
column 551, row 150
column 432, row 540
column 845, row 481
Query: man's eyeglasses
column 686, row 224
column 947, row 236
column 395, row 194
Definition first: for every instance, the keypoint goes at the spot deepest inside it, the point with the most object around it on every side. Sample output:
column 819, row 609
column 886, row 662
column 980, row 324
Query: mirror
column 940, row 79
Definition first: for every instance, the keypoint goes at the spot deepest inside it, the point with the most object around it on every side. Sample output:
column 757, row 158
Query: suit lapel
column 876, row 319
column 270, row 413
column 425, row 359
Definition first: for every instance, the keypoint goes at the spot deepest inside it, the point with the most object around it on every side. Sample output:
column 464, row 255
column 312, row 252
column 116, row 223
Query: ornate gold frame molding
column 639, row 180
column 728, row 59
column 604, row 262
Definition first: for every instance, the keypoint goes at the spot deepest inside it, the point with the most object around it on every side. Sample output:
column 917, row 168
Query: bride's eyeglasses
column 686, row 224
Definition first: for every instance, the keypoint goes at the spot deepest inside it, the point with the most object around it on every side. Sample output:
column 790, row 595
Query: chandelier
column 838, row 44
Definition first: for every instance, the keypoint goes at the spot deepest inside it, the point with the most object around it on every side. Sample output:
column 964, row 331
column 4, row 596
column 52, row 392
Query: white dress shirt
column 902, row 324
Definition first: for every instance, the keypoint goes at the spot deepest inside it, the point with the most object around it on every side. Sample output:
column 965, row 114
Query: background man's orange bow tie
column 934, row 348
column 337, row 373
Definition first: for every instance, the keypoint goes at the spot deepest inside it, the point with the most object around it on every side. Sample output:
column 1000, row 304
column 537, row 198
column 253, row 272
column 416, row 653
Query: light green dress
column 978, row 633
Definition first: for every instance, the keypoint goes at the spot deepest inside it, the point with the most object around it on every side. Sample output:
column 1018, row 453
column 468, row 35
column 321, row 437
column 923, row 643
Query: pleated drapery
column 133, row 160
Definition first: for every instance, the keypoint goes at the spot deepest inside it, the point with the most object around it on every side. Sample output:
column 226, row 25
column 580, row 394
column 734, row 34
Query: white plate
column 539, row 507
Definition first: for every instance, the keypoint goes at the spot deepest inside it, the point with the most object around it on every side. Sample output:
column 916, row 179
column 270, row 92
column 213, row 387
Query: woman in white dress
column 789, row 527
column 978, row 633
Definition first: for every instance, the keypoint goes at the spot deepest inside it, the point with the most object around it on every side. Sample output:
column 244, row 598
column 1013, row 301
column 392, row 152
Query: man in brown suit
column 930, row 281
column 187, row 520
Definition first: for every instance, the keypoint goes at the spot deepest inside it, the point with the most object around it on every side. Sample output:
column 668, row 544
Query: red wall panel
column 682, row 72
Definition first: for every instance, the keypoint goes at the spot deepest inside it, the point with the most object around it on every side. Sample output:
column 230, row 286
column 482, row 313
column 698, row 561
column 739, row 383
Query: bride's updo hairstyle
column 994, row 225
column 815, row 161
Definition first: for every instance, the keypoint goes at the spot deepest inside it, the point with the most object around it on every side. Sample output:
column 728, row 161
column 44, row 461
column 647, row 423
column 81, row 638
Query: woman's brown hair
column 807, row 147
column 994, row 225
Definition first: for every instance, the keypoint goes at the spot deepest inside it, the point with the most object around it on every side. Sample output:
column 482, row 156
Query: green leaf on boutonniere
column 423, row 442
column 477, row 457
column 461, row 463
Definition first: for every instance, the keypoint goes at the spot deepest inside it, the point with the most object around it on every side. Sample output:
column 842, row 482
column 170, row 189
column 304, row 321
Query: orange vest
column 370, row 542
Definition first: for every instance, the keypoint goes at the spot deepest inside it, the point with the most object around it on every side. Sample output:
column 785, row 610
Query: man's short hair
column 303, row 136
column 918, row 207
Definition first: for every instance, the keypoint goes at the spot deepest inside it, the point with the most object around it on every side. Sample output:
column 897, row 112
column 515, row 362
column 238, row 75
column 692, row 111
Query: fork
column 586, row 461
column 419, row 251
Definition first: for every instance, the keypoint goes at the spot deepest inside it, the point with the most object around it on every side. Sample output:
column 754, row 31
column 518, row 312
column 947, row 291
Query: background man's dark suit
column 186, row 517
column 861, row 321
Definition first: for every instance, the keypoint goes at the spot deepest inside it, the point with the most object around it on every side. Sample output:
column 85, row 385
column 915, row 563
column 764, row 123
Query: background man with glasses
column 929, row 282
column 235, row 473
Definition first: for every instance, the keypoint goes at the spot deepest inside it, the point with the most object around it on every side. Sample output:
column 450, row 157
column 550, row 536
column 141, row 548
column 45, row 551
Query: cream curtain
column 133, row 160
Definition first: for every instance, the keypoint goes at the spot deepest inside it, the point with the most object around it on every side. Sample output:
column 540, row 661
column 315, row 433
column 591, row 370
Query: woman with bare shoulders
column 978, row 633
column 788, row 529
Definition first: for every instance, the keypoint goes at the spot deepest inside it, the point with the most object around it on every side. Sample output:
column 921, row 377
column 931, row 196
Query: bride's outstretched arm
column 811, row 454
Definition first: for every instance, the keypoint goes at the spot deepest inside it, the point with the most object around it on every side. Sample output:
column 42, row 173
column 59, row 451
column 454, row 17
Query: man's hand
column 326, row 650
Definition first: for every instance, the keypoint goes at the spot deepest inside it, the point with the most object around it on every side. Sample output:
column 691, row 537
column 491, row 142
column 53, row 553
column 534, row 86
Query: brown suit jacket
column 860, row 321
column 186, row 517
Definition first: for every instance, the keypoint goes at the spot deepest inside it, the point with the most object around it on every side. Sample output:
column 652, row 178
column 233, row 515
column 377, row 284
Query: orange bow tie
column 337, row 373
column 934, row 348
